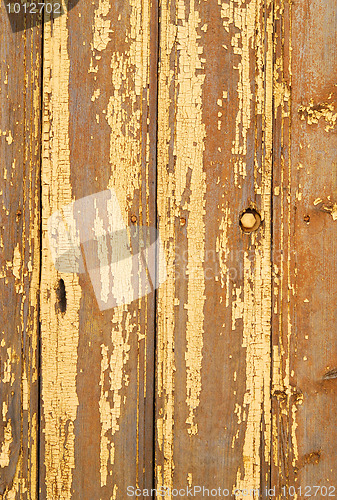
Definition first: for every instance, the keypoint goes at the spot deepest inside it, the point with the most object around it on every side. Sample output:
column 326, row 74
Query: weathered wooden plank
column 222, row 66
column 304, row 319
column 20, row 95
column 214, row 161
column 97, row 365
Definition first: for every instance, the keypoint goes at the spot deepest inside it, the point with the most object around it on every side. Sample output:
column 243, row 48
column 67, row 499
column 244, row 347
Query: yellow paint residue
column 8, row 136
column 189, row 479
column 277, row 371
column 294, row 426
column 189, row 147
column 4, row 411
column 102, row 26
column 238, row 306
column 5, row 447
column 17, row 262
column 257, row 273
column 105, row 416
column 60, row 332
column 34, row 453
column 241, row 15
column 222, row 249
column 257, row 399
column 7, row 372
column 96, row 95
column 314, row 112
column 282, row 373
column 282, row 92
column 24, row 390
column 114, row 493
column 166, row 293
column 125, row 139
column 113, row 368
column 124, row 113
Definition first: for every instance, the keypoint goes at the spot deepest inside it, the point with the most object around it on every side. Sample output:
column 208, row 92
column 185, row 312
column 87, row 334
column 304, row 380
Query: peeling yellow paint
column 6, row 443
column 188, row 148
column 189, row 479
column 110, row 413
column 8, row 136
column 102, row 26
column 129, row 78
column 96, row 95
column 282, row 373
column 60, row 332
column 105, row 416
column 314, row 112
column 4, row 411
column 241, row 15
column 257, row 274
column 222, row 249
column 166, row 294
column 114, row 493
column 25, row 393
column 7, row 368
column 181, row 34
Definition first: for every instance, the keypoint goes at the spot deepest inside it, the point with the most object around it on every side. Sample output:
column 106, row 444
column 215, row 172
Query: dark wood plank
column 20, row 97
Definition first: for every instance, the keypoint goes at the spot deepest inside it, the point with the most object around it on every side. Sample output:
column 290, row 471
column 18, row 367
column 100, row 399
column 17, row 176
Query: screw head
column 133, row 219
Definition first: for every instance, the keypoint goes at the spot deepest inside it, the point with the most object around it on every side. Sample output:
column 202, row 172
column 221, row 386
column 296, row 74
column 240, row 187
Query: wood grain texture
column 20, row 97
column 99, row 133
column 214, row 161
column 304, row 236
column 226, row 374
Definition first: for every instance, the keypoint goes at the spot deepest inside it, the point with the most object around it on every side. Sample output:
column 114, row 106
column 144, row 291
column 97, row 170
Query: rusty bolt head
column 250, row 220
column 133, row 219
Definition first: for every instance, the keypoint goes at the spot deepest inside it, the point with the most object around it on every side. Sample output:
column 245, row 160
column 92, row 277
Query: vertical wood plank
column 97, row 366
column 215, row 159
column 20, row 87
column 304, row 239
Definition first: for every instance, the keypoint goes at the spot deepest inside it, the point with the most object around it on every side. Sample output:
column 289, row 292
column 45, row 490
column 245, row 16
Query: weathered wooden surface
column 20, row 99
column 225, row 376
column 214, row 161
column 97, row 367
column 304, row 236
